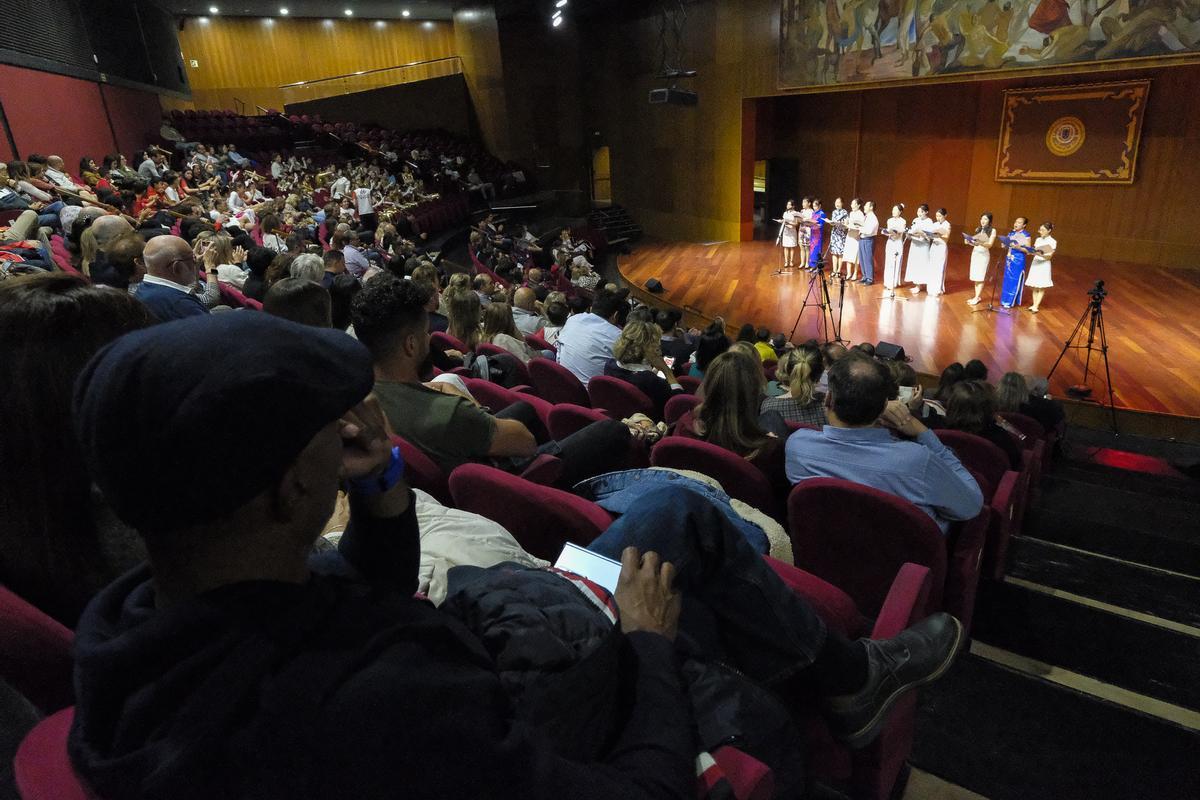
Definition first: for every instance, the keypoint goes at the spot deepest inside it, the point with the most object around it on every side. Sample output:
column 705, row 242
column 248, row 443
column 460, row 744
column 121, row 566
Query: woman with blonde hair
column 500, row 329
column 799, row 370
column 638, row 360
column 463, row 310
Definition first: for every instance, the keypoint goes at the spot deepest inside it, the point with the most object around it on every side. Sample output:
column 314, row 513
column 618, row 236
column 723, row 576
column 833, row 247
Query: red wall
column 57, row 115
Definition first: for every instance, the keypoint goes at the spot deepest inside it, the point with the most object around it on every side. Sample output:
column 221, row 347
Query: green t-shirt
column 447, row 428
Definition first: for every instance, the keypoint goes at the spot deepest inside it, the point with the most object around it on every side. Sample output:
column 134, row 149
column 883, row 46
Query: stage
column 1151, row 316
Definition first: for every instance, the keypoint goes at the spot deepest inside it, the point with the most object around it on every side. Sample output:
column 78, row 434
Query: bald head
column 171, row 258
column 54, row 161
column 525, row 298
column 109, row 227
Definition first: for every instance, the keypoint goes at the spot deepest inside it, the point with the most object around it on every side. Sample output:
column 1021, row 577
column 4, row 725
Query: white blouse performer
column 935, row 272
column 789, row 234
column 918, row 252
column 854, row 224
column 893, row 253
column 981, row 256
column 1039, row 270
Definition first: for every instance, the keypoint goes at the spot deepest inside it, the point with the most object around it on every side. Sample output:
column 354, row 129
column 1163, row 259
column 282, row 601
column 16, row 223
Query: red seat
column 541, row 518
column 422, row 472
column 443, row 341
column 988, row 460
column 690, row 385
column 497, row 397
column 679, row 405
column 557, row 384
column 566, row 418
column 620, row 397
column 536, row 341
column 738, row 477
column 35, row 653
column 41, row 769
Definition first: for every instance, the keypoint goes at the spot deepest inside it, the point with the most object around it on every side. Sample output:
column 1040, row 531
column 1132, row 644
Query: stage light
column 380, row 23
column 268, row 21
column 203, row 20
column 405, row 13
column 349, row 12
column 214, row 10
column 560, row 3
column 283, row 12
column 427, row 25
column 557, row 21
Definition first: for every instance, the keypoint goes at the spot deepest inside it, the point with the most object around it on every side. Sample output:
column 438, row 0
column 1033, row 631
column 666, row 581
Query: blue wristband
column 383, row 482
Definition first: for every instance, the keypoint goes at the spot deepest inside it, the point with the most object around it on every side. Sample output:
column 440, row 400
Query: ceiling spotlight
column 427, row 24
column 556, row 15
column 405, row 13
column 349, row 12
column 556, row 21
column 203, row 20
column 560, row 3
column 214, row 10
column 283, row 12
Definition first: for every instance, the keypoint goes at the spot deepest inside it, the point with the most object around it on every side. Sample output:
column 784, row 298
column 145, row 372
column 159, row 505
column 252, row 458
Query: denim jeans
column 731, row 598
column 866, row 257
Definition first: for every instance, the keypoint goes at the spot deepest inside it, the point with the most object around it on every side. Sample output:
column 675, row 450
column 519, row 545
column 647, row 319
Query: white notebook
column 593, row 566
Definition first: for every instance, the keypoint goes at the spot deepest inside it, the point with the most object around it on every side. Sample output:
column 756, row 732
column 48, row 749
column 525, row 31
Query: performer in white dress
column 893, row 252
column 850, row 255
column 918, row 251
column 789, row 234
column 981, row 255
column 1039, row 271
column 935, row 272
column 804, row 232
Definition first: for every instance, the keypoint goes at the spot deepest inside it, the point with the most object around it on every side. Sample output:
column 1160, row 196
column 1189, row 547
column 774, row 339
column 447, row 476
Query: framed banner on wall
column 1071, row 134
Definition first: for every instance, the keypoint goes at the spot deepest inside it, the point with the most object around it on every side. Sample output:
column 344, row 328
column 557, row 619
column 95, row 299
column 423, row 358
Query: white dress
column 853, row 224
column 893, row 252
column 981, row 256
column 804, row 232
column 789, row 234
column 918, row 253
column 1039, row 270
column 935, row 272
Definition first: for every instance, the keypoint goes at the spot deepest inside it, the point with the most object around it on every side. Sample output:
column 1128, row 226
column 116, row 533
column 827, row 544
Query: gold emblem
column 1065, row 136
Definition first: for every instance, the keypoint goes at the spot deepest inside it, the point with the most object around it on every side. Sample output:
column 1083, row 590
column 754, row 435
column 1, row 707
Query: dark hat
column 185, row 422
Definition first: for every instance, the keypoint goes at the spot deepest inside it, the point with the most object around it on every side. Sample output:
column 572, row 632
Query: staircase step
column 1169, row 595
column 1102, row 475
column 1010, row 736
column 1164, row 548
column 1117, row 650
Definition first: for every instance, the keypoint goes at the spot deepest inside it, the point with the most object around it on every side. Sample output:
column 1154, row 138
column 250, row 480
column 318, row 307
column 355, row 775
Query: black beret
column 185, row 422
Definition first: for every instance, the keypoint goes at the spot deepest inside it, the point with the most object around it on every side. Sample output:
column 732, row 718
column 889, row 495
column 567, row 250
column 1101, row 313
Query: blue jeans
column 866, row 257
column 733, row 603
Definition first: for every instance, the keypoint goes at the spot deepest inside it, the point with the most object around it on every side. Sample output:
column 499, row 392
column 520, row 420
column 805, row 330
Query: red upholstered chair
column 738, row 477
column 557, row 384
column 535, row 341
column 981, row 456
column 489, row 349
column 42, row 769
column 541, row 518
column 621, row 398
column 232, row 296
column 35, row 653
column 497, row 397
column 566, row 419
column 679, row 405
column 1035, row 444
column 443, row 341
column 422, row 472
column 795, row 426
column 690, row 385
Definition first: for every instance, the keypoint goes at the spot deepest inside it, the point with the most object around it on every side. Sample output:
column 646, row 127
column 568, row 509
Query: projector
column 673, row 96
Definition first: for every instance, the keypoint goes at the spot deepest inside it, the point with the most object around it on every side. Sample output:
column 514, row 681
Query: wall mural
column 829, row 42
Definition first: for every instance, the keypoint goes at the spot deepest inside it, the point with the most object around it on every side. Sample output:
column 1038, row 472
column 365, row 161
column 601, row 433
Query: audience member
column 711, row 344
column 585, row 343
column 167, row 289
column 464, row 318
column 60, row 543
column 557, row 313
column 910, row 392
column 975, row 370
column 300, row 300
column 389, row 318
column 971, row 408
column 335, row 264
column 866, row 348
column 120, row 264
column 525, row 312
column 309, row 267
column 950, row 376
column 341, row 297
column 637, row 359
column 675, row 342
column 858, row 445
column 258, row 261
column 762, row 343
column 324, row 678
column 799, row 371
column 1013, row 394
column 500, row 329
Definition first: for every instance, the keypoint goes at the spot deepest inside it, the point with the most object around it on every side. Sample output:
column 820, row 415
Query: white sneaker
column 915, row 290
column 974, row 301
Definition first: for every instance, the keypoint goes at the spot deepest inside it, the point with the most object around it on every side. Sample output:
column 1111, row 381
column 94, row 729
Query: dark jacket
column 346, row 686
column 653, row 386
column 166, row 303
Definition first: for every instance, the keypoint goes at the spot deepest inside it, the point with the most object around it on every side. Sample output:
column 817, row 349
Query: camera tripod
column 1093, row 315
column 819, row 297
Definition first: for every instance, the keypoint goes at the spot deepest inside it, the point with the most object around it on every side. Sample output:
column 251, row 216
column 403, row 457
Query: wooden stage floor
column 1152, row 316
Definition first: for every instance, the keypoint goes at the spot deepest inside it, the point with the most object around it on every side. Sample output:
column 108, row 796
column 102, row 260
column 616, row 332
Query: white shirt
column 58, row 178
column 276, row 170
column 362, row 201
column 870, row 225
column 854, row 224
column 585, row 345
column 235, row 201
column 1044, row 243
column 157, row 281
column 340, row 188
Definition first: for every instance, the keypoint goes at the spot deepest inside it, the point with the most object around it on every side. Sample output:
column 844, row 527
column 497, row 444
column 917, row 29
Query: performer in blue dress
column 818, row 234
column 1014, row 266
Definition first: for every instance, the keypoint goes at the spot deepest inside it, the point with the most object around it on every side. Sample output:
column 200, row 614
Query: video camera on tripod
column 1098, row 292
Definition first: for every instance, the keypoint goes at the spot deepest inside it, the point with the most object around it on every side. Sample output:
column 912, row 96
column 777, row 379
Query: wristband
column 383, row 482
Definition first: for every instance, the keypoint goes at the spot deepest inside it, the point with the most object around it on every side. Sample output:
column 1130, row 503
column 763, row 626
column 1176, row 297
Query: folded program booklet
column 593, row 566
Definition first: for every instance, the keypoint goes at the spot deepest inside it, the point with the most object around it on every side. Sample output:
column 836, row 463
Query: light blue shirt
column 585, row 345
column 924, row 472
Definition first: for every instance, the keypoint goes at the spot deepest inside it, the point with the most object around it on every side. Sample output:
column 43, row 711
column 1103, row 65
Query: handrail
column 263, row 110
column 373, row 71
column 239, row 106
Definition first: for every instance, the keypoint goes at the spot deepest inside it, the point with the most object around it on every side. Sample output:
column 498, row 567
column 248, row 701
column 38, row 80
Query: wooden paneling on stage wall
column 249, row 58
column 937, row 144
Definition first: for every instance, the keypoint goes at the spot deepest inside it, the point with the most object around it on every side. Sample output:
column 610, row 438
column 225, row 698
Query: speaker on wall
column 654, row 285
column 889, row 352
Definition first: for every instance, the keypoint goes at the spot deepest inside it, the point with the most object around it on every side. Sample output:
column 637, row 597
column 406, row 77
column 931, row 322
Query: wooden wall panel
column 249, row 58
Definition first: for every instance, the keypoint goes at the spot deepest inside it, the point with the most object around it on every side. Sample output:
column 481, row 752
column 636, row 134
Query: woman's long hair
column 971, row 406
column 463, row 314
column 732, row 391
column 800, row 370
column 950, row 376
column 498, row 319
column 1012, row 392
column 50, row 326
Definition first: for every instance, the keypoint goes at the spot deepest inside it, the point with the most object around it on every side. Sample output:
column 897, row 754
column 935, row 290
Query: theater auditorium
column 572, row 399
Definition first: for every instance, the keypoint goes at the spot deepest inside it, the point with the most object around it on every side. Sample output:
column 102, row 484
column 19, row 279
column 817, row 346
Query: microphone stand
column 783, row 270
column 991, row 307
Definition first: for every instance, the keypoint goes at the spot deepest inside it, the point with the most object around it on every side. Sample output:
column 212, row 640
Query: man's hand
column 366, row 440
column 644, row 595
column 897, row 417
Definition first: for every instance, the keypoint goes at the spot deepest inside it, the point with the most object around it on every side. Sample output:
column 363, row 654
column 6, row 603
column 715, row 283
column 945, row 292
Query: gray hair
column 308, row 266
